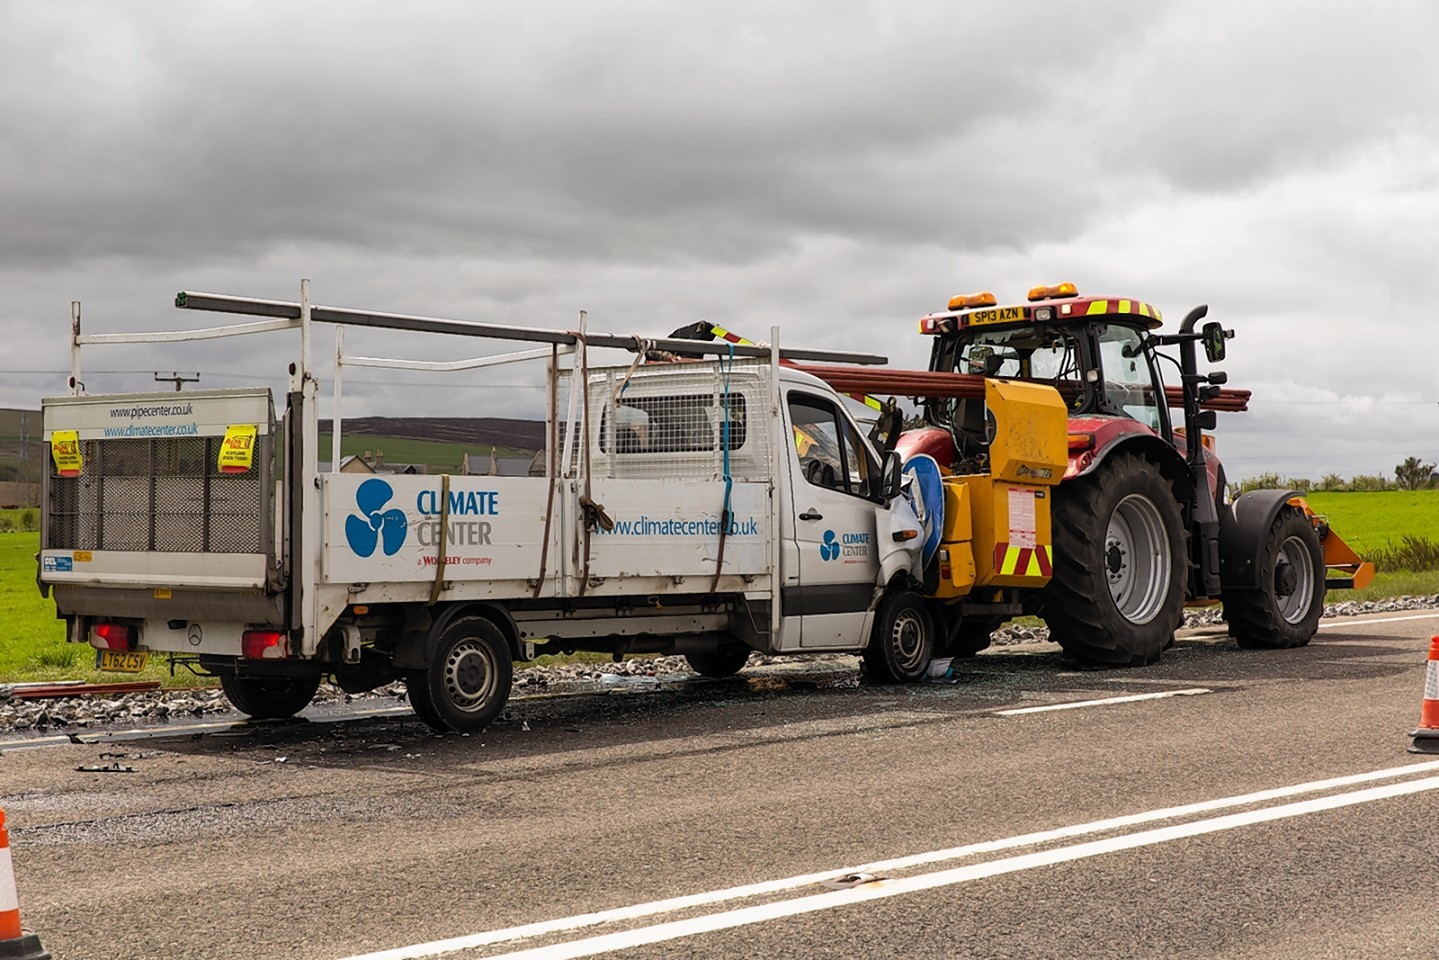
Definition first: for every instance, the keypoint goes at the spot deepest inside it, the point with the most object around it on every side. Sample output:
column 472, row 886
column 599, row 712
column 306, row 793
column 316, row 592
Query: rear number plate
column 121, row 661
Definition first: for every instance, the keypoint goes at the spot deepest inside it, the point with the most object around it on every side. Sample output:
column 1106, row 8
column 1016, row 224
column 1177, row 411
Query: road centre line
column 1132, row 698
column 883, row 889
column 1359, row 623
column 670, row 905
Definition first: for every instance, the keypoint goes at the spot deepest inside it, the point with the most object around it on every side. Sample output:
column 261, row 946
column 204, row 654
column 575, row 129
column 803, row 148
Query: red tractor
column 1142, row 522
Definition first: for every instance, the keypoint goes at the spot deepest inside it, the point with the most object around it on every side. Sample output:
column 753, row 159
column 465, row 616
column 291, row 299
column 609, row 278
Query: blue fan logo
column 378, row 526
column 829, row 550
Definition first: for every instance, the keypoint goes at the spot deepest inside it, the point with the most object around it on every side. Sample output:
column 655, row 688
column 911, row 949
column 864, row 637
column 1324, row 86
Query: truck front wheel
column 1284, row 611
column 269, row 698
column 1117, row 594
column 467, row 683
column 901, row 643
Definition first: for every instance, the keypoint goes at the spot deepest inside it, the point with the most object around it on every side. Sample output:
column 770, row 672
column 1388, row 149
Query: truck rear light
column 946, row 571
column 264, row 645
column 112, row 636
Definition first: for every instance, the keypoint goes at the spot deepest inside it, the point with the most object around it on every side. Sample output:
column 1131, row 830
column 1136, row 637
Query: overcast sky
column 835, row 168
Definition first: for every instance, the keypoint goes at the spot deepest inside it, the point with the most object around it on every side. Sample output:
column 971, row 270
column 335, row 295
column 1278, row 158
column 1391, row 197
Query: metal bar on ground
column 53, row 691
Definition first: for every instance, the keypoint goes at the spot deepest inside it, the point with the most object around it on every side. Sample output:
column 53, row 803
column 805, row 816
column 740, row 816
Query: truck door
column 833, row 483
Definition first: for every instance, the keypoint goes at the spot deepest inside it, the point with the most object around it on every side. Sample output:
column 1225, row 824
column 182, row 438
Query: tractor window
column 1128, row 380
column 1034, row 353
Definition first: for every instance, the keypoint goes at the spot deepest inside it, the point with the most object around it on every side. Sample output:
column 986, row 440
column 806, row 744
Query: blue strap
column 726, row 365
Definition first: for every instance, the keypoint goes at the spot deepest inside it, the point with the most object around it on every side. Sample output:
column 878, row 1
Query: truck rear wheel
column 467, row 683
column 1285, row 610
column 901, row 643
column 720, row 663
column 269, row 698
column 1117, row 594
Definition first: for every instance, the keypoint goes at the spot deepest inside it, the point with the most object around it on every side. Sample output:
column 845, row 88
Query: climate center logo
column 378, row 526
column 829, row 550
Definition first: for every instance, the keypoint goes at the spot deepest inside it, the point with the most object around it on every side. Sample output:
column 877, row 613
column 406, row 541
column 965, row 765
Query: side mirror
column 1213, row 335
column 891, row 477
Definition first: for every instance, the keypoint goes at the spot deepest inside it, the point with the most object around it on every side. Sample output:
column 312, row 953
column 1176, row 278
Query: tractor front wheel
column 1285, row 609
column 1117, row 594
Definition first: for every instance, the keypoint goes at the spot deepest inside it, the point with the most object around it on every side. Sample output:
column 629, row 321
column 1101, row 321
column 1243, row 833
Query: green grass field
column 33, row 647
column 32, row 641
column 1374, row 521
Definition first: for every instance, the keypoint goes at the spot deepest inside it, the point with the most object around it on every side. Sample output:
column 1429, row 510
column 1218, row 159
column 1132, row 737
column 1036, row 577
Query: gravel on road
column 74, row 714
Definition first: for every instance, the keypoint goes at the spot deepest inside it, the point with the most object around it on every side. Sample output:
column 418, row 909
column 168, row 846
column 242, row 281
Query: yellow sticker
column 237, row 450
column 83, row 556
column 65, row 449
column 162, row 593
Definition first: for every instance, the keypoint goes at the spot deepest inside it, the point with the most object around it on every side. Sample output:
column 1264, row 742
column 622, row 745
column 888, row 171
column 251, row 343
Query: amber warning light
column 1053, row 292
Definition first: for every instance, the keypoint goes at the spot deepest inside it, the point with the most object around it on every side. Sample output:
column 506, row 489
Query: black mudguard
column 1243, row 529
column 416, row 645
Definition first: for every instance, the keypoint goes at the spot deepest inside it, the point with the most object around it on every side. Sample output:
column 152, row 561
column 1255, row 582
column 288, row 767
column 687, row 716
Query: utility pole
column 177, row 379
column 32, row 494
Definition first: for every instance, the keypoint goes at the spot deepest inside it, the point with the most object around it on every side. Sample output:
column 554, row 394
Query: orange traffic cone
column 15, row 944
column 1426, row 738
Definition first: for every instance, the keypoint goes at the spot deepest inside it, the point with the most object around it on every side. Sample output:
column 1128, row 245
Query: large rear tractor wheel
column 901, row 643
column 1117, row 594
column 269, row 698
column 467, row 683
column 1285, row 610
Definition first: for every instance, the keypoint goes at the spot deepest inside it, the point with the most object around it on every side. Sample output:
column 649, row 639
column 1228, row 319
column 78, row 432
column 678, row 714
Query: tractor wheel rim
column 1294, row 606
column 469, row 676
column 1136, row 559
column 907, row 641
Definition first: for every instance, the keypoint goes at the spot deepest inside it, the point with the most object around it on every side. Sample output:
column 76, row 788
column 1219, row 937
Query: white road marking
column 1132, row 698
column 652, row 908
column 883, row 889
column 1360, row 623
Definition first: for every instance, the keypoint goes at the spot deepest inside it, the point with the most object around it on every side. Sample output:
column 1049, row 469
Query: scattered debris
column 115, row 767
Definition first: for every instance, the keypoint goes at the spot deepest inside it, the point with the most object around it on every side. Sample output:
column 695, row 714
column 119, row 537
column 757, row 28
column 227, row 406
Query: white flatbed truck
column 709, row 507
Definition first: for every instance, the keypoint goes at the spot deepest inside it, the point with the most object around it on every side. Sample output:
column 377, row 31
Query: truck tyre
column 901, row 643
column 1284, row 611
column 720, row 663
column 1117, row 594
column 467, row 683
column 269, row 698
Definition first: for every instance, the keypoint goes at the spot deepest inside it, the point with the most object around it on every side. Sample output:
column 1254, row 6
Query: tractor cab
column 1096, row 351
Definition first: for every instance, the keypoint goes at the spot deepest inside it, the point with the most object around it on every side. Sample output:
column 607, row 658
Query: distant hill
column 470, row 431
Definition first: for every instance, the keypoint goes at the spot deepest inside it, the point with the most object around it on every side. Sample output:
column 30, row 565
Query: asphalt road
column 1270, row 811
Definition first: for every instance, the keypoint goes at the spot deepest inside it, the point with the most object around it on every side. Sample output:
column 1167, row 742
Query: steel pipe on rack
column 939, row 385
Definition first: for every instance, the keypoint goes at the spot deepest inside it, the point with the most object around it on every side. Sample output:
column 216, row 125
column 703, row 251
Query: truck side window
column 830, row 451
